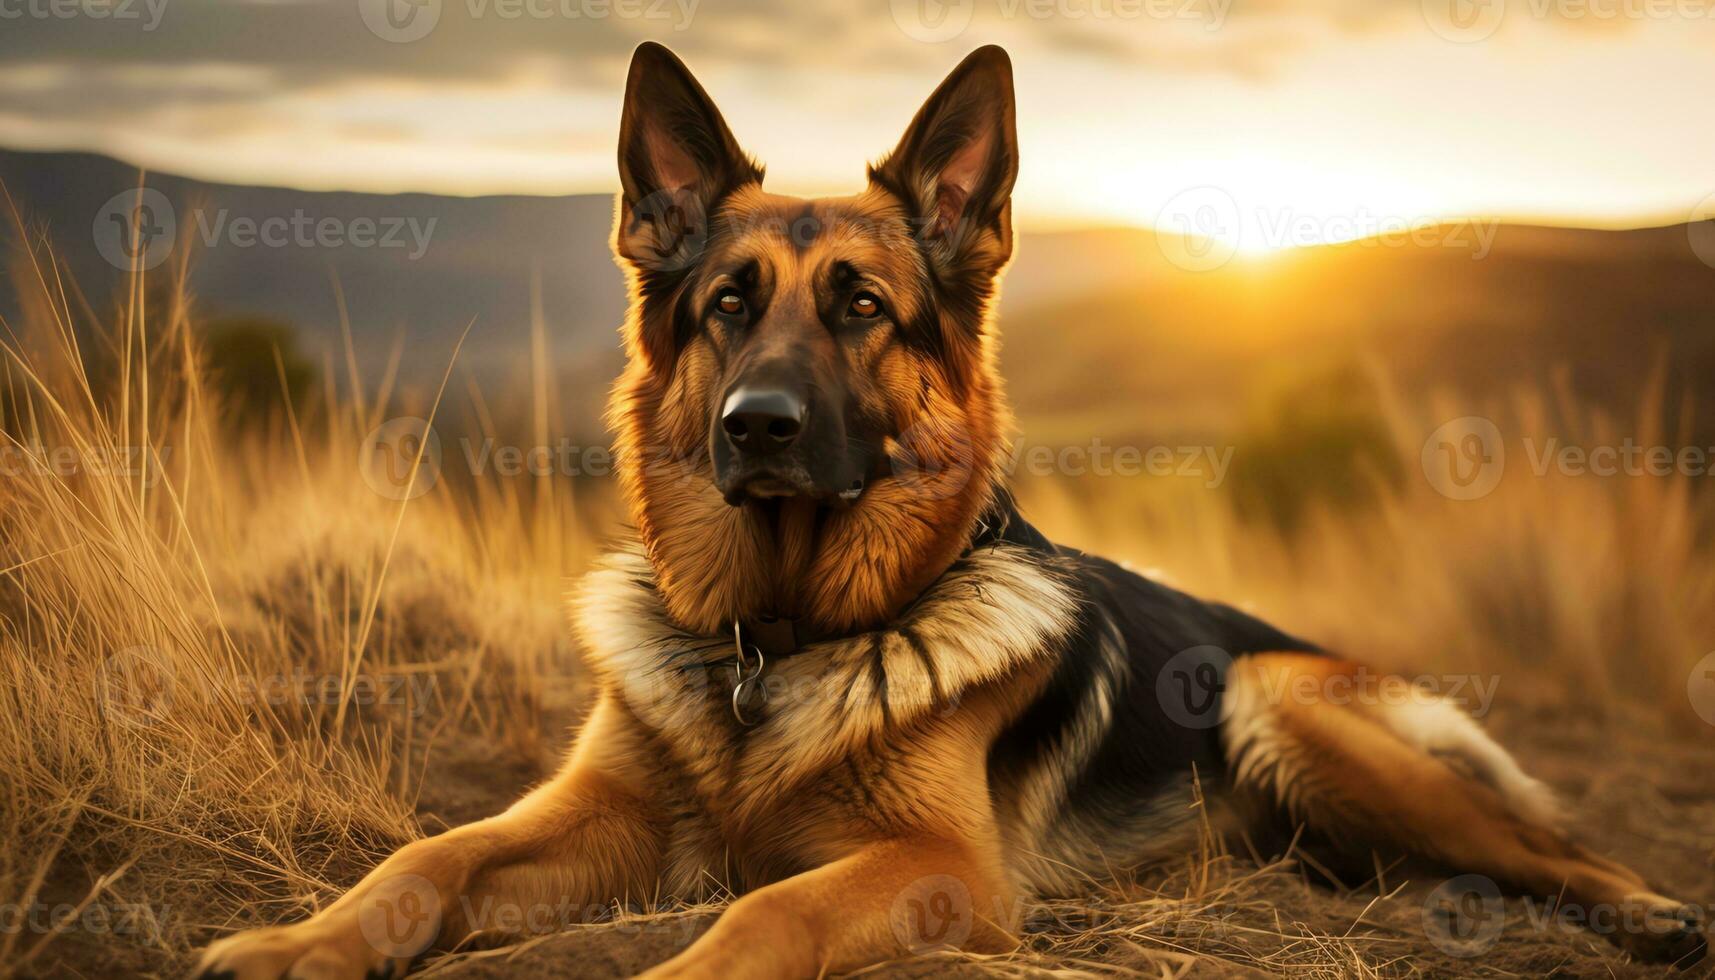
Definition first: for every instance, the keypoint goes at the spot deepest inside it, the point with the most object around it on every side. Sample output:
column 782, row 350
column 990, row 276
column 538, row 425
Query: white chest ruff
column 993, row 611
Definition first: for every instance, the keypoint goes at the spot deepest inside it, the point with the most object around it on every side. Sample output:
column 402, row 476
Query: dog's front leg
column 886, row 900
column 586, row 838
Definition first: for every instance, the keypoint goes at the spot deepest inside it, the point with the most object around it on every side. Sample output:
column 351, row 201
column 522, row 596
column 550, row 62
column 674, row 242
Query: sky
column 1287, row 120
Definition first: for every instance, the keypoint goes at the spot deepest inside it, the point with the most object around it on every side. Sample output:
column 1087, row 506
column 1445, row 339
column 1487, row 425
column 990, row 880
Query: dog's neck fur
column 795, row 546
column 999, row 608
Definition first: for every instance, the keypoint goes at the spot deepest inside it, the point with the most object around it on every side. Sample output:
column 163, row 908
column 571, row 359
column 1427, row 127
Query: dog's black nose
column 762, row 420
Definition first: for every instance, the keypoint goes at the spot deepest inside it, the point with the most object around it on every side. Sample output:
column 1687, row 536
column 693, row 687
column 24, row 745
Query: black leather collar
column 777, row 638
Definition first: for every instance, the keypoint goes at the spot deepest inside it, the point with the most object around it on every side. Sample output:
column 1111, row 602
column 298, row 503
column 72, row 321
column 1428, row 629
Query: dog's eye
column 730, row 302
column 865, row 306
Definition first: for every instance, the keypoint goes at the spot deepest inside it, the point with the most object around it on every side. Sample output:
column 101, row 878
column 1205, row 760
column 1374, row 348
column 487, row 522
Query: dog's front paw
column 314, row 950
column 373, row 932
column 1663, row 931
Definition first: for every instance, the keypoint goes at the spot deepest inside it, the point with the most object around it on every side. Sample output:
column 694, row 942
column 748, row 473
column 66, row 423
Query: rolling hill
column 1103, row 335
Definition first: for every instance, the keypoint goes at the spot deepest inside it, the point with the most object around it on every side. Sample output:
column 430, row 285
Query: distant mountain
column 1584, row 314
column 416, row 263
column 451, row 260
column 1103, row 334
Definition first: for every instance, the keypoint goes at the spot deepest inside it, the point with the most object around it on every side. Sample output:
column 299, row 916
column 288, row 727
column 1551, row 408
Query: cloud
column 320, row 42
column 323, row 43
column 500, row 95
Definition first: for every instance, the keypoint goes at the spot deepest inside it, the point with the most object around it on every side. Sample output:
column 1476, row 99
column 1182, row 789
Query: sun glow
column 1311, row 133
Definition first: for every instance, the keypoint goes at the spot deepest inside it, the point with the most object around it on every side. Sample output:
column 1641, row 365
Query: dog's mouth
column 766, row 486
column 790, row 484
column 826, row 482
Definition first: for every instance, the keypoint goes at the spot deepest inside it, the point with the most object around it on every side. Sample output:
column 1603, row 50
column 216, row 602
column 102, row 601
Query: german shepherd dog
column 843, row 679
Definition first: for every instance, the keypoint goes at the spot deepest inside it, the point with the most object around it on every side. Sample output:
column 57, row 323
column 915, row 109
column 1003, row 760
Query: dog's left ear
column 955, row 169
column 677, row 159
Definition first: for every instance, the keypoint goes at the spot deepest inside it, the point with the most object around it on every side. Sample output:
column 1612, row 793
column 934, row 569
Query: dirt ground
column 1647, row 800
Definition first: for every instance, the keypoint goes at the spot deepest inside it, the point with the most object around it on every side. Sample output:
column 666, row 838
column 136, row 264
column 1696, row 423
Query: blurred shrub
column 1316, row 443
column 255, row 366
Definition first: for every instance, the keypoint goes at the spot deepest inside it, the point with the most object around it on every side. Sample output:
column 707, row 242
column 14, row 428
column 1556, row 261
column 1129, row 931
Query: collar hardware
column 749, row 695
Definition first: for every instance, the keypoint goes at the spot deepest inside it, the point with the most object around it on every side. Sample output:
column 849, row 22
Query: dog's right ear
column 677, row 159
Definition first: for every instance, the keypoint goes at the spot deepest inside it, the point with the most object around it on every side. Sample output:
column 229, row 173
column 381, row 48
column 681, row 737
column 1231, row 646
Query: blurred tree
column 240, row 355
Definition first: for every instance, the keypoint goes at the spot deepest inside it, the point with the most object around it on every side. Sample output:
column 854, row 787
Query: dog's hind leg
column 1371, row 764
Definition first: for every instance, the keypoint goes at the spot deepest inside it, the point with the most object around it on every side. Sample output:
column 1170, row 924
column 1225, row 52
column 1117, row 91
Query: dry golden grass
column 189, row 641
column 1597, row 592
column 220, row 657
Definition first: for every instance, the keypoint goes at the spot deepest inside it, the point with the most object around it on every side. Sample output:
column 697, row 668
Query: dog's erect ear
column 956, row 164
column 677, row 159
